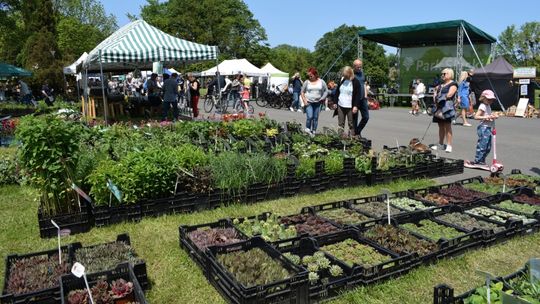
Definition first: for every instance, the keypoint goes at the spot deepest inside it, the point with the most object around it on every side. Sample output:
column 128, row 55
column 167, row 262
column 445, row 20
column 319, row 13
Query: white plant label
column 505, row 177
column 387, row 193
column 59, row 247
column 78, row 271
column 488, row 277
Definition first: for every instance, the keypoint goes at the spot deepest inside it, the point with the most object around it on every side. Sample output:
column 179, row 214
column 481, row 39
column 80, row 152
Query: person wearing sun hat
column 484, row 130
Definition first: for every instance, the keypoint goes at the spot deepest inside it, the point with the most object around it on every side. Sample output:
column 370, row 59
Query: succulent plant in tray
column 468, row 222
column 438, row 199
column 312, row 225
column 105, row 256
column 352, row 252
column 204, row 238
column 378, row 209
column 518, row 207
column 399, row 240
column 253, row 267
column 533, row 200
column 36, row 273
column 318, row 265
column 270, row 229
column 462, row 193
column 408, row 204
column 344, row 216
column 432, row 230
column 499, row 215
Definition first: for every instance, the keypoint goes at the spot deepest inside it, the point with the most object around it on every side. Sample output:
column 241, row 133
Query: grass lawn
column 177, row 279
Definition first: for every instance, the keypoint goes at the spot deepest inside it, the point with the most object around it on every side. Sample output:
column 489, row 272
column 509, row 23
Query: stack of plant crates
column 313, row 254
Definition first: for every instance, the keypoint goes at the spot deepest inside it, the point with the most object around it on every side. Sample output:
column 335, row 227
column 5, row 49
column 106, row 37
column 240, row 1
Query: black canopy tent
column 496, row 76
column 446, row 33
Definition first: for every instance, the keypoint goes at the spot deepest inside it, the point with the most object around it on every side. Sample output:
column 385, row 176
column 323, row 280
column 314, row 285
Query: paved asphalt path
column 518, row 139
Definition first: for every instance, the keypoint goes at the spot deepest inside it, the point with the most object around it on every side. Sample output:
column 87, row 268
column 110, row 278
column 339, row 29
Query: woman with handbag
column 444, row 111
column 348, row 99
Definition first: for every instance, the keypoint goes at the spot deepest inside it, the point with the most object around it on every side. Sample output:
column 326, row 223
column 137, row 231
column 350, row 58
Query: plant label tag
column 488, row 276
column 534, row 269
column 114, row 190
column 387, row 193
column 397, row 144
column 505, row 178
column 59, row 245
column 78, row 270
column 81, row 193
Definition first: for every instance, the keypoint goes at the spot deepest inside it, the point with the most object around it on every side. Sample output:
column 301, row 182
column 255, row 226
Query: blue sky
column 302, row 23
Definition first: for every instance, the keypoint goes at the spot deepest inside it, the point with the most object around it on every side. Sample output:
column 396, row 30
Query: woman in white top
column 314, row 91
column 348, row 98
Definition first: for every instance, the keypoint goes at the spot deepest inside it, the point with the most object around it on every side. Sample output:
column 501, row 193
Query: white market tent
column 139, row 45
column 72, row 68
column 234, row 67
column 277, row 77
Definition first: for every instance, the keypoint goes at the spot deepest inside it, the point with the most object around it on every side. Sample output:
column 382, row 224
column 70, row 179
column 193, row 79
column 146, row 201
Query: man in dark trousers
column 363, row 109
column 170, row 95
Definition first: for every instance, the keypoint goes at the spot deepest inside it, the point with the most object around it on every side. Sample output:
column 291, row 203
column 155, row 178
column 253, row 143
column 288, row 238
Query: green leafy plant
column 253, row 267
column 528, row 289
column 333, row 162
column 9, row 169
column 344, row 216
column 432, row 230
column 480, row 295
column 363, row 163
column 306, row 167
column 49, row 155
column 245, row 128
column 351, row 252
column 399, row 240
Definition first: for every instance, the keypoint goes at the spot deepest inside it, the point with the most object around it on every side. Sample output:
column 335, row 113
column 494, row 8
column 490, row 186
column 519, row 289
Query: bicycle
column 243, row 105
column 212, row 100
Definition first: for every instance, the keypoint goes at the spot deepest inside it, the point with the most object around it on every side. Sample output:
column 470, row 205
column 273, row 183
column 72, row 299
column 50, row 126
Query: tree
column 75, row 38
column 40, row 51
column 521, row 47
column 229, row 24
column 88, row 13
column 342, row 41
column 291, row 59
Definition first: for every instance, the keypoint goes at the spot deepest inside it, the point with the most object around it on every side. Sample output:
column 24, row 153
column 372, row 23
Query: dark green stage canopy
column 426, row 34
column 8, row 70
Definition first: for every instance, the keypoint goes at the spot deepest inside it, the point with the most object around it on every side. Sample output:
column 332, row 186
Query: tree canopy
column 521, row 47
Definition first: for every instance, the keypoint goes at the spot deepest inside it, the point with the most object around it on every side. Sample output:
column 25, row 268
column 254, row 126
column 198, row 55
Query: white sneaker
column 454, row 122
column 299, row 110
column 410, row 112
column 424, row 112
column 448, row 149
column 307, row 130
column 291, row 108
column 438, row 147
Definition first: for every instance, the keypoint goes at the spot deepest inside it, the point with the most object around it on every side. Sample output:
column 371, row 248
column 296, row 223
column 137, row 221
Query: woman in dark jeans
column 443, row 98
column 194, row 87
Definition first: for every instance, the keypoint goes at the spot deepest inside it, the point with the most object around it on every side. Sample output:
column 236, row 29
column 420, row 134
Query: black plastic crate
column 480, row 198
column 105, row 215
column 397, row 264
column 336, row 205
column 357, row 203
column 523, row 191
column 122, row 271
column 528, row 225
column 449, row 247
column 45, row 296
column 292, row 290
column 410, row 195
column 139, row 268
column 197, row 254
column 327, row 286
column 78, row 222
column 508, row 229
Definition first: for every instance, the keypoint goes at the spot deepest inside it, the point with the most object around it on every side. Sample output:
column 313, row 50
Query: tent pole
column 360, row 47
column 459, row 52
column 482, row 65
column 86, row 103
column 339, row 57
column 103, row 89
column 217, row 72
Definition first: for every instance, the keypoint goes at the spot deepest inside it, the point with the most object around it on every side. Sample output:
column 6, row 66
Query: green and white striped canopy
column 138, row 44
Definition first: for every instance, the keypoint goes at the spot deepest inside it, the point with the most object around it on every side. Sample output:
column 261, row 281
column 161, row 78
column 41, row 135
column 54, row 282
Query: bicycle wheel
column 223, row 105
column 261, row 101
column 208, row 104
column 251, row 109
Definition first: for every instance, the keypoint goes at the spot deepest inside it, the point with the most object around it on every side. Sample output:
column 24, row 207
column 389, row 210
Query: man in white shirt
column 419, row 91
